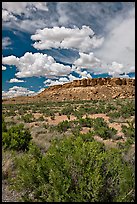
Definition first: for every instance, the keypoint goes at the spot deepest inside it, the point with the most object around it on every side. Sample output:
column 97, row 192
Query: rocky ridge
column 85, row 89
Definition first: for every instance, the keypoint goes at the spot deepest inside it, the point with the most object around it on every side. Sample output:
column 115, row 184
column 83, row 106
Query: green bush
column 52, row 117
column 110, row 107
column 128, row 109
column 86, row 122
column 21, row 111
column 51, row 113
column 78, row 114
column 28, row 118
column 84, row 109
column 67, row 110
column 102, row 129
column 106, row 132
column 68, row 116
column 41, row 118
column 74, row 170
column 10, row 123
column 129, row 131
column 87, row 137
column 16, row 138
column 4, row 127
column 100, row 109
column 63, row 126
column 76, row 130
column 115, row 114
column 99, row 122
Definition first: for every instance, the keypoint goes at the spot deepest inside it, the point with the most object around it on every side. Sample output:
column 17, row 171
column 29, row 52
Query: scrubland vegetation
column 52, row 159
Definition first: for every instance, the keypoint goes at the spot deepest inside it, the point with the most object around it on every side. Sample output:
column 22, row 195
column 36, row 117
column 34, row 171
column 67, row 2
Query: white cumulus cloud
column 14, row 80
column 66, row 38
column 51, row 82
column 3, row 68
column 7, row 16
column 115, row 69
column 10, row 60
column 36, row 64
column 6, row 41
column 63, row 79
column 85, row 74
column 88, row 61
column 119, row 43
column 11, row 9
column 69, row 78
column 17, row 91
column 72, row 77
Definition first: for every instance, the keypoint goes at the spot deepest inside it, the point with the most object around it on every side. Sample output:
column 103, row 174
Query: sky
column 49, row 43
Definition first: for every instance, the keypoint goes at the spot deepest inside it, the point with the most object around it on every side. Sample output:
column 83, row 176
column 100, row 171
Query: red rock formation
column 85, row 89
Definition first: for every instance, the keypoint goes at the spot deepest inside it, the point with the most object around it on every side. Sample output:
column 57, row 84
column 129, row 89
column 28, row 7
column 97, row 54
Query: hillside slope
column 85, row 89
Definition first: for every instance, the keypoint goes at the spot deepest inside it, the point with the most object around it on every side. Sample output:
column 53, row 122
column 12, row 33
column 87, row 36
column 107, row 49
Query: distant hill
column 85, row 89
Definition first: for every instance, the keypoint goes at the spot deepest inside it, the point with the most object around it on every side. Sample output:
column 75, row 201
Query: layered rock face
column 85, row 89
column 102, row 81
column 96, row 82
column 90, row 89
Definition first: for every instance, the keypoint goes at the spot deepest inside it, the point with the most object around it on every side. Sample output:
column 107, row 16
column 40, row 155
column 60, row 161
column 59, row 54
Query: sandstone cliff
column 85, row 89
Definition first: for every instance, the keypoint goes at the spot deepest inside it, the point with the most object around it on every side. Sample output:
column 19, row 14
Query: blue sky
column 47, row 43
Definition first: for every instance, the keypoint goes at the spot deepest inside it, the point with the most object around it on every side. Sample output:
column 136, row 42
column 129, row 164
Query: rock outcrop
column 85, row 89
column 96, row 82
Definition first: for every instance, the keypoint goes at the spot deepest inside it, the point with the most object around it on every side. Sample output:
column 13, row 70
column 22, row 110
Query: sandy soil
column 59, row 119
column 100, row 115
column 85, row 130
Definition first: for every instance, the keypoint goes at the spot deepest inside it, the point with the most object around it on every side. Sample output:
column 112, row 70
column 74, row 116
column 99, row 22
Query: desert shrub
column 63, row 126
column 67, row 110
column 86, row 122
column 41, row 118
column 74, row 170
column 16, row 138
column 128, row 109
column 10, row 113
column 47, row 111
column 4, row 126
column 110, row 107
column 78, row 114
column 102, row 129
column 101, row 102
column 115, row 114
column 99, row 122
column 92, row 109
column 94, row 101
column 105, row 132
column 126, row 146
column 74, row 123
column 10, row 123
column 68, row 116
column 52, row 128
column 51, row 113
column 129, row 131
column 52, row 117
column 129, row 142
column 88, row 137
column 21, row 111
column 59, row 114
column 76, row 130
column 28, row 118
column 83, row 109
column 100, row 109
